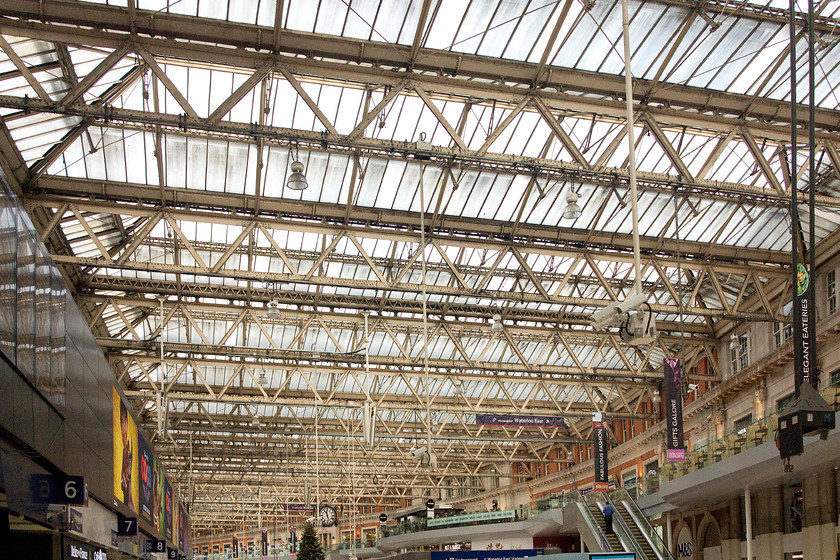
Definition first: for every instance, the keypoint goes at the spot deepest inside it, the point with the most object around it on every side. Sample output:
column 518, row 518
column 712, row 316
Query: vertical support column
column 818, row 522
column 748, row 521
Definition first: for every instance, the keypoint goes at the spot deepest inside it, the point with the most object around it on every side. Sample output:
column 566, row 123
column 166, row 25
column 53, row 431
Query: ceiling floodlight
column 733, row 341
column 273, row 308
column 297, row 180
column 458, row 387
column 262, row 380
column 255, row 422
column 656, row 398
column 497, row 323
column 572, row 210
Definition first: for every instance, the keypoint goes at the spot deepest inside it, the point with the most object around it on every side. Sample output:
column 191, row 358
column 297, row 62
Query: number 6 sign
column 58, row 489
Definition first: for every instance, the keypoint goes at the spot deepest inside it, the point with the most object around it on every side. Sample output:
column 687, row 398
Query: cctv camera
column 632, row 303
column 693, row 386
column 608, row 315
column 604, row 317
column 418, row 453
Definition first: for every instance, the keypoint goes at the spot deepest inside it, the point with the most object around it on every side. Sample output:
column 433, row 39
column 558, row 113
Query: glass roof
column 169, row 173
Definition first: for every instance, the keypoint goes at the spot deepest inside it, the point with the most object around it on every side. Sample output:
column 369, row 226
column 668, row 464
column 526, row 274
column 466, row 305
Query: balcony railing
column 732, row 443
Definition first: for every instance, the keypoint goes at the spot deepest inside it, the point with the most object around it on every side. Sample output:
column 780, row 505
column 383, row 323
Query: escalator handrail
column 641, row 520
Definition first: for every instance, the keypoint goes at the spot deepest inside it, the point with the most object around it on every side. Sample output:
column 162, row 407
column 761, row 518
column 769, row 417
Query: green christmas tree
column 310, row 546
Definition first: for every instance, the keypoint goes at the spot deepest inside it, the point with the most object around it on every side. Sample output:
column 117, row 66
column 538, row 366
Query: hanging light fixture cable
column 425, row 315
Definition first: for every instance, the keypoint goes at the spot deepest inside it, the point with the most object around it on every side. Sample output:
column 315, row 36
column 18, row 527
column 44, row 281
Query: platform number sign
column 58, row 489
column 126, row 526
column 71, row 490
column 154, row 545
column 172, row 553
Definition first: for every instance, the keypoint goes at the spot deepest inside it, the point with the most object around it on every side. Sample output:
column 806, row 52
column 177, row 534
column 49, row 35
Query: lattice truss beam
column 153, row 158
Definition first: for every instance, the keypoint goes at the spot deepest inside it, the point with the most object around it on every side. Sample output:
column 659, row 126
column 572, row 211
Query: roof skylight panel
column 779, row 86
column 241, row 168
column 651, row 156
column 507, row 18
column 526, row 135
column 735, row 162
column 585, row 47
column 243, row 11
column 827, row 78
column 717, row 51
column 504, row 197
column 35, row 136
column 753, row 63
column 533, row 30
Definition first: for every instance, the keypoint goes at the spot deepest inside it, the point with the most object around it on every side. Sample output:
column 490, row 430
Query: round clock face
column 328, row 516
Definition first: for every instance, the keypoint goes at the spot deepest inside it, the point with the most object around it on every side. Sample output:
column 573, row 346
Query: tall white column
column 748, row 520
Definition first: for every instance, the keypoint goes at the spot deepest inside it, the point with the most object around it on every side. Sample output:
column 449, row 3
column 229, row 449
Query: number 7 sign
column 126, row 526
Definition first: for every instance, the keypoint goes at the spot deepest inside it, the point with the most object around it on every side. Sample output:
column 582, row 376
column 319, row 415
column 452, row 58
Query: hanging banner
column 147, row 480
column 673, row 411
column 126, row 479
column 182, row 528
column 176, row 505
column 519, row 420
column 804, row 335
column 158, row 514
column 599, row 444
column 168, row 509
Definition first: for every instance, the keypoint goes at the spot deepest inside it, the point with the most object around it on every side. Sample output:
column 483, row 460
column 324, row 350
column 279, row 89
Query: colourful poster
column 126, row 479
column 147, row 480
column 182, row 529
column 175, row 511
column 168, row 509
column 158, row 514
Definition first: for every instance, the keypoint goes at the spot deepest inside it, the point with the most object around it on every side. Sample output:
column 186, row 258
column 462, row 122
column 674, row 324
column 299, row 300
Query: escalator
column 611, row 538
column 634, row 526
column 636, row 532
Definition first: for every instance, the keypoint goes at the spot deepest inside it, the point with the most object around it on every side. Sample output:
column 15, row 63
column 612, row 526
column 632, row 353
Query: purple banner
column 169, row 509
column 182, row 528
column 675, row 443
column 296, row 507
column 519, row 420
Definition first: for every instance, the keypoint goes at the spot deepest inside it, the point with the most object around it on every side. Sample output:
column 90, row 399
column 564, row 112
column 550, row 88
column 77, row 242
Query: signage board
column 58, row 489
column 77, row 550
column 599, row 444
column 155, row 545
column 472, row 518
column 486, row 554
column 519, row 420
column 126, row 526
column 675, row 443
